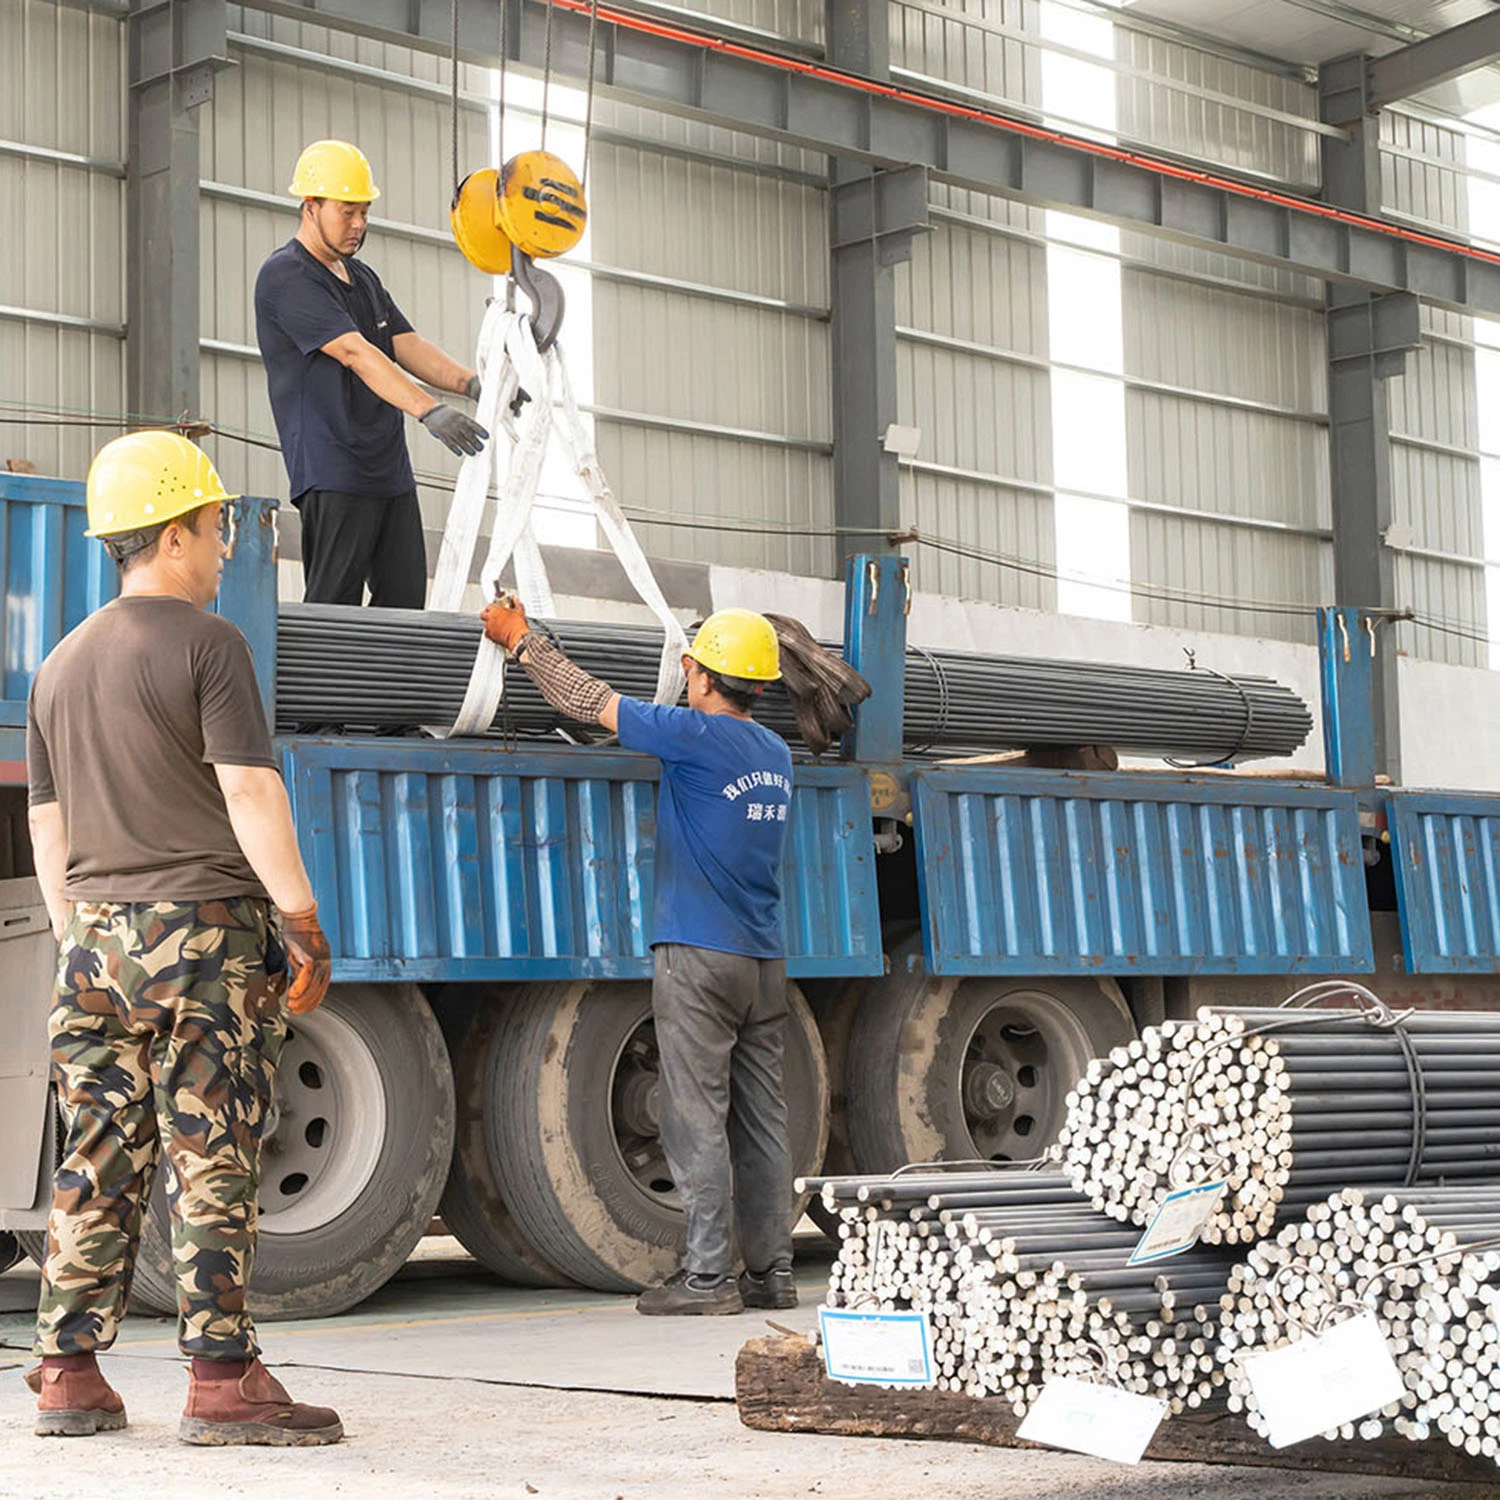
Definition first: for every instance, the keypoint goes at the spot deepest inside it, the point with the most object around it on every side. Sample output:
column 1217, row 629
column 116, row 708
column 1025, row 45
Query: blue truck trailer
column 962, row 938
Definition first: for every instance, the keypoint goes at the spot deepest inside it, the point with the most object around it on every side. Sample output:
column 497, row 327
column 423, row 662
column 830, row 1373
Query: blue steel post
column 1346, row 660
column 877, row 597
column 247, row 592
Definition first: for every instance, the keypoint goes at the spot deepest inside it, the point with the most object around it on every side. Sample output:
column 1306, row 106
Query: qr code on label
column 916, row 1365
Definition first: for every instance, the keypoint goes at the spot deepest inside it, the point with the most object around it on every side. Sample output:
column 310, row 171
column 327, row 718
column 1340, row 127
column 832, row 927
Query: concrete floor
column 455, row 1387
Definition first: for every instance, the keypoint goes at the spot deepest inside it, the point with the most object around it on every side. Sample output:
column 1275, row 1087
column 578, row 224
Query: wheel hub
column 1023, row 1055
column 325, row 1128
column 988, row 1091
column 637, row 1110
column 635, row 1114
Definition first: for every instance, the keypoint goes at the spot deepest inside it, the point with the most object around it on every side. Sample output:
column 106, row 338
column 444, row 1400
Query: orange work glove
column 312, row 963
column 505, row 621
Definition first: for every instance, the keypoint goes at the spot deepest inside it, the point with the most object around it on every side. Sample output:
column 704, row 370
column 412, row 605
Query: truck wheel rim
column 634, row 1106
column 1022, row 1056
column 326, row 1129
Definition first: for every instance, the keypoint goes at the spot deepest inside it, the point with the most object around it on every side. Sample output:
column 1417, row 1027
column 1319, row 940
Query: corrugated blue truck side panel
column 1047, row 872
column 54, row 576
column 434, row 862
column 1447, row 849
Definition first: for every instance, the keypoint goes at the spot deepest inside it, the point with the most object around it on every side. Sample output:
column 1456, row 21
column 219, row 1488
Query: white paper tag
column 1317, row 1384
column 1095, row 1419
column 877, row 1348
column 1177, row 1223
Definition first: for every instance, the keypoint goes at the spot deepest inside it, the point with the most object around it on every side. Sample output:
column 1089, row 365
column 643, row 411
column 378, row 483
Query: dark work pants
column 349, row 541
column 720, row 1029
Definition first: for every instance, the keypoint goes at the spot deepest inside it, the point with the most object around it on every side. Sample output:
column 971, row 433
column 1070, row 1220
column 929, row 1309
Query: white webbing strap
column 670, row 679
column 508, row 360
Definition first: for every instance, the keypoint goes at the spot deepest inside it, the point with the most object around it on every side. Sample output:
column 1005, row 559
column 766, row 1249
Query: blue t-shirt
column 726, row 791
column 336, row 433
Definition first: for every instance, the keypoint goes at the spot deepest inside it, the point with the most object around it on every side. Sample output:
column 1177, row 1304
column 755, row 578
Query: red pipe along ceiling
column 629, row 22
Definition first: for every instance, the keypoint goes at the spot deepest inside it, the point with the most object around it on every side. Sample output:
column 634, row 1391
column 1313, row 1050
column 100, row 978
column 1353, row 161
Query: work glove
column 505, row 621
column 456, row 432
column 311, row 961
column 471, row 390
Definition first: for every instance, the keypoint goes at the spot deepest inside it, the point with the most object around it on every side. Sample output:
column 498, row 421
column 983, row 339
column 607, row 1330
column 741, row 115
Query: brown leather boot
column 74, row 1399
column 253, row 1410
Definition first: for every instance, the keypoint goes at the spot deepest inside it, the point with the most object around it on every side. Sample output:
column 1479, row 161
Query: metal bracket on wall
column 185, row 41
column 886, row 208
column 1385, row 329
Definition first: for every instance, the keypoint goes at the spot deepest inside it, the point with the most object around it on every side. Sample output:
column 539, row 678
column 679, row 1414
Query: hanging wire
column 546, row 72
column 453, row 94
column 588, row 98
column 500, row 89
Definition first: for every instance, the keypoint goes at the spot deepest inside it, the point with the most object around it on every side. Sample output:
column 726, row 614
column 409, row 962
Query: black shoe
column 773, row 1288
column 685, row 1295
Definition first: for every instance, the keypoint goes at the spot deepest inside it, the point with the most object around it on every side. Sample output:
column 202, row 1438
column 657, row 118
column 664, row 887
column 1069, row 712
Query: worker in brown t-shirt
column 164, row 845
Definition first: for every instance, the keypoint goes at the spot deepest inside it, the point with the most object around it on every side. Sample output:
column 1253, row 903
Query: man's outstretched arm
column 561, row 681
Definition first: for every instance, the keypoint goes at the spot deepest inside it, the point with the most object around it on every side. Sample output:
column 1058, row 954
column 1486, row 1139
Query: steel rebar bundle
column 1285, row 1105
column 1424, row 1260
column 1022, row 1281
column 380, row 668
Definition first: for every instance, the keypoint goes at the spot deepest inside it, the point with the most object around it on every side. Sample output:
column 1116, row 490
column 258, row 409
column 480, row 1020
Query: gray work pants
column 720, row 1029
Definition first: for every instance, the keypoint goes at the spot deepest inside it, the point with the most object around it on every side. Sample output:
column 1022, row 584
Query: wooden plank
column 780, row 1386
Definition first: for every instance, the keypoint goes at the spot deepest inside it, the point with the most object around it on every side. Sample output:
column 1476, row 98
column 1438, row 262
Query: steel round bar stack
column 384, row 668
column 1285, row 1105
column 1023, row 1281
column 1426, row 1262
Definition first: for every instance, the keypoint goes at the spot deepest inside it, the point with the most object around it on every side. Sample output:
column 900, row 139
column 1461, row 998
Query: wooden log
column 781, row 1386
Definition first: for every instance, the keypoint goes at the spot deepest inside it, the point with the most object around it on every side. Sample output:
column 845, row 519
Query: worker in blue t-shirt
column 719, row 996
column 342, row 365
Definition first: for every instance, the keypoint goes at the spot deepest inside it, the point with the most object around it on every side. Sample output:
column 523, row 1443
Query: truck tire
column 573, row 1136
column 356, row 1154
column 970, row 1069
column 33, row 1243
column 11, row 1252
column 472, row 1206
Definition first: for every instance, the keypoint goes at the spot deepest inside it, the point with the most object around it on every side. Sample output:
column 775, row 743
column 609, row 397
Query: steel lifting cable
column 1378, row 1014
column 1245, row 728
column 546, row 72
column 500, row 83
column 453, row 91
column 588, row 99
column 940, row 678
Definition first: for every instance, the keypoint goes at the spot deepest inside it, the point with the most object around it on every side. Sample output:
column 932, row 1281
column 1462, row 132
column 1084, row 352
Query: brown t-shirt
column 127, row 719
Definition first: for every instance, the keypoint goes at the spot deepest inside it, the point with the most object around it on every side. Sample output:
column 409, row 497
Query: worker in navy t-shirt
column 719, row 996
column 342, row 365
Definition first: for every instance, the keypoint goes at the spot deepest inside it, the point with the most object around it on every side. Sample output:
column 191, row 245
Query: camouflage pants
column 166, row 1030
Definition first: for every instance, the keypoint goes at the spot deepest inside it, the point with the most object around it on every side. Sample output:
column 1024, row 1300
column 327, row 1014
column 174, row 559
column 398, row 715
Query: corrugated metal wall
column 711, row 343
column 971, row 313
column 62, row 275
column 1227, row 417
column 713, row 380
column 1224, row 361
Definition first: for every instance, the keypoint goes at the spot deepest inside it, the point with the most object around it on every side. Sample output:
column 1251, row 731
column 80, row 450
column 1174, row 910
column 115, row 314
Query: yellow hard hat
column 146, row 479
column 334, row 169
column 738, row 643
column 473, row 217
column 541, row 204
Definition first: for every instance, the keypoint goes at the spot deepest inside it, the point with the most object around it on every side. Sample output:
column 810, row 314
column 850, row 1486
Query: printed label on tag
column 1095, row 1419
column 1317, row 1384
column 1177, row 1223
column 877, row 1348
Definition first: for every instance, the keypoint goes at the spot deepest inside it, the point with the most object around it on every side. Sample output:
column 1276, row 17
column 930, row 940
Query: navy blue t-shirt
column 726, row 789
column 336, row 433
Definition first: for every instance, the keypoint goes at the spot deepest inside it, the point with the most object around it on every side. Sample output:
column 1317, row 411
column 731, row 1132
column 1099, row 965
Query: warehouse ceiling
column 1311, row 31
